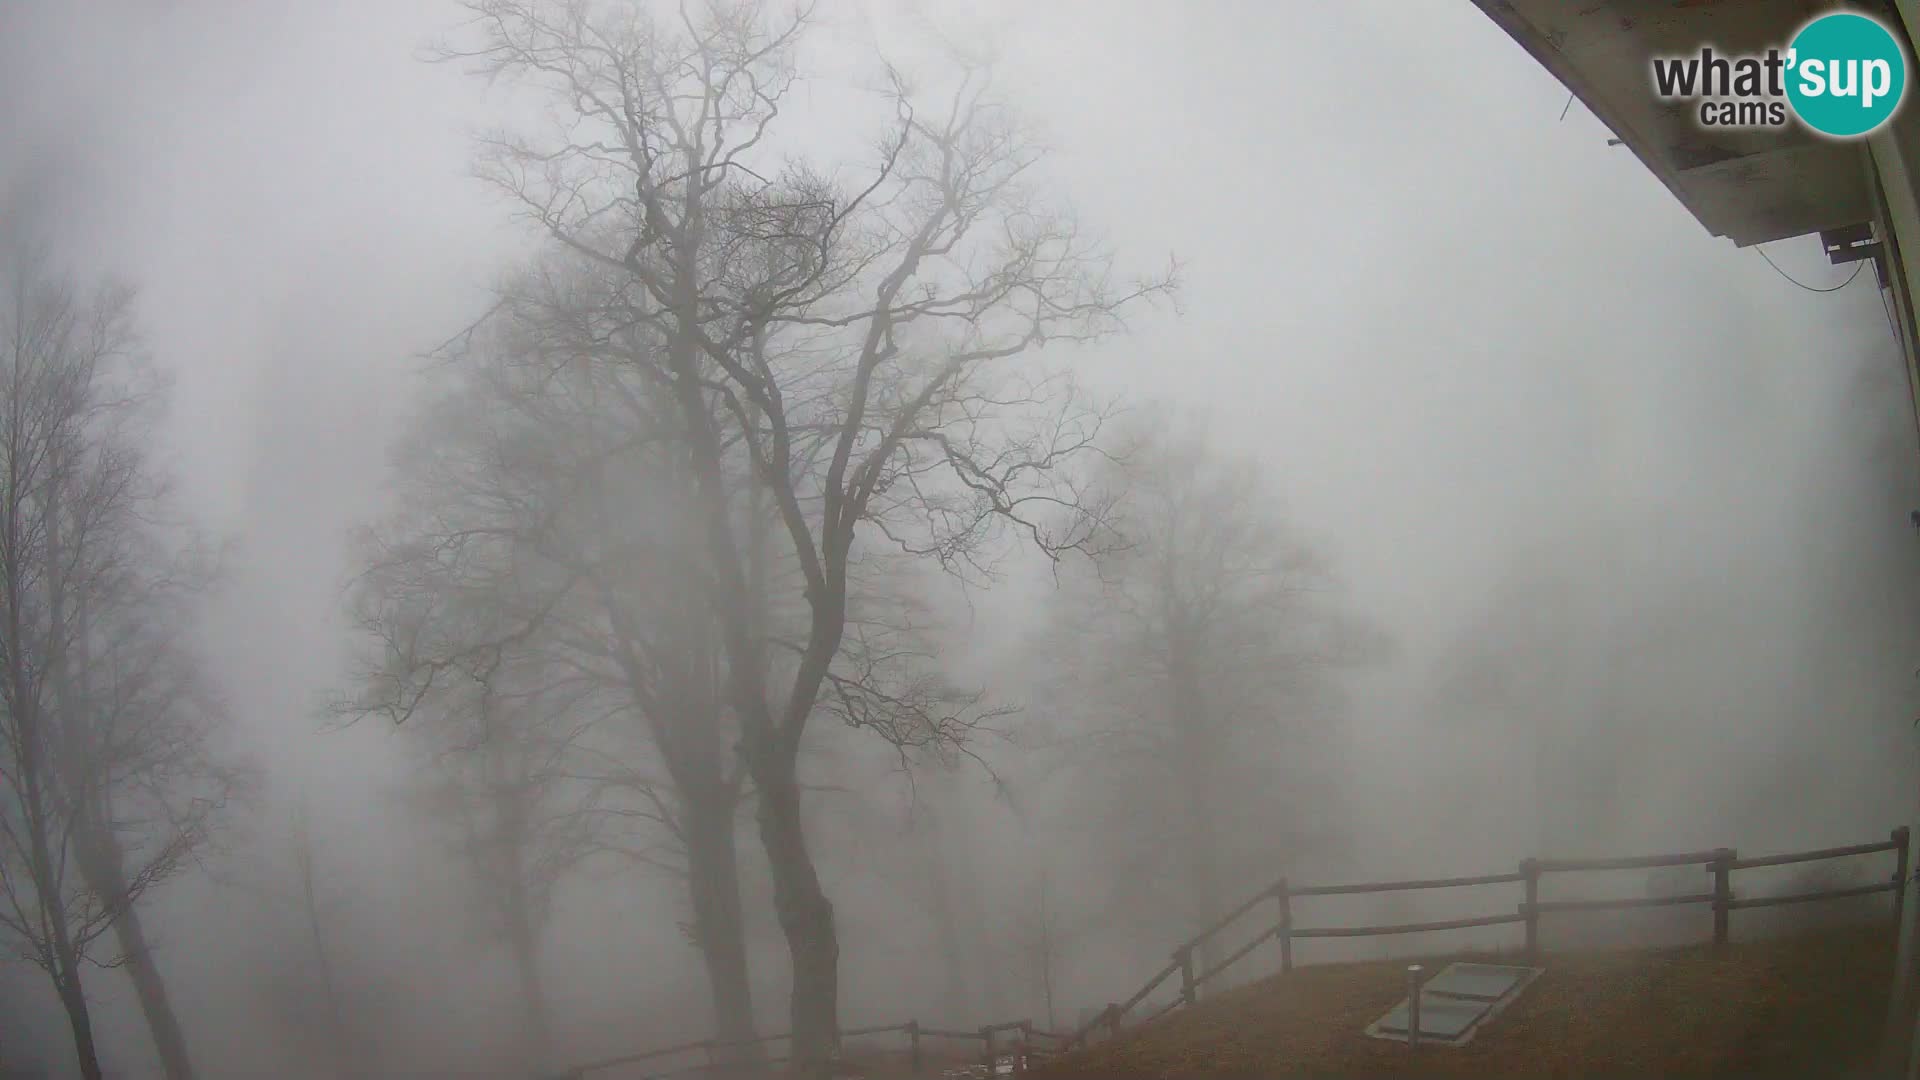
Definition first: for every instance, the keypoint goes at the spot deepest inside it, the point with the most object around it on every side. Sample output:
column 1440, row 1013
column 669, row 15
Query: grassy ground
column 1807, row 1006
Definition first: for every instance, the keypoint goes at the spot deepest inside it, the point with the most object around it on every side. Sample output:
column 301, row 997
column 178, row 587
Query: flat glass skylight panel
column 1481, row 982
column 1457, row 1002
column 1440, row 1018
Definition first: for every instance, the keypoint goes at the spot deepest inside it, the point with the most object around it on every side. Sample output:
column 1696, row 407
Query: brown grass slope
column 1806, row 1006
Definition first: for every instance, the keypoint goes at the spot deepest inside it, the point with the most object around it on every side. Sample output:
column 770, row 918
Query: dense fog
column 615, row 523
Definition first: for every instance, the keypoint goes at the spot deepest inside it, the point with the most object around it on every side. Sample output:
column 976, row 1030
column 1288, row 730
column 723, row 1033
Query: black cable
column 1857, row 267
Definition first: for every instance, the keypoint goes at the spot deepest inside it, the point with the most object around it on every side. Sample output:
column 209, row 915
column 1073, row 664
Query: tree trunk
column 1203, row 861
column 536, row 1029
column 951, row 948
column 168, row 1039
column 46, row 881
column 1195, row 760
column 805, row 914
column 806, row 917
column 713, row 884
column 346, row 1052
column 28, row 705
column 989, row 975
column 74, row 999
column 65, row 957
column 687, row 736
column 507, row 850
column 1046, row 950
column 102, row 863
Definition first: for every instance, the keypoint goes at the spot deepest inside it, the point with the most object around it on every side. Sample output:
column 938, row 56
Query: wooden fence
column 1020, row 1040
column 1722, row 862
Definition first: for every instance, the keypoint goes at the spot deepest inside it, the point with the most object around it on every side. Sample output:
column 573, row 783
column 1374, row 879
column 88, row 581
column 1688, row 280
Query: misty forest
column 537, row 530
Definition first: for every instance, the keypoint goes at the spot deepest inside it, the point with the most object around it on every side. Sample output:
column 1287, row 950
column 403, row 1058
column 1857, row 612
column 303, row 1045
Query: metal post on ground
column 913, row 1046
column 1413, row 1006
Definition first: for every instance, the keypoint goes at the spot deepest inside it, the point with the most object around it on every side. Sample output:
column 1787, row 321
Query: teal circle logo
column 1846, row 75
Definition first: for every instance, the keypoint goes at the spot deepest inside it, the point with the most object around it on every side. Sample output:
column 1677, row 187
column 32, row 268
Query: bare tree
column 501, row 780
column 1559, row 668
column 309, row 999
column 107, row 723
column 1195, row 663
column 343, row 1042
column 542, row 527
column 932, row 887
column 852, row 345
column 1041, row 940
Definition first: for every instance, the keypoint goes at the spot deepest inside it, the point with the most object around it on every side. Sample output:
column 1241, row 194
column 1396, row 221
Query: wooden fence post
column 913, row 1046
column 1285, row 932
column 1722, row 893
column 1188, row 992
column 1530, row 908
column 986, row 1035
column 1899, row 876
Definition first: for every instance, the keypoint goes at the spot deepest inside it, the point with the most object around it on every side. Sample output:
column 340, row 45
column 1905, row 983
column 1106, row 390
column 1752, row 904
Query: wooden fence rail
column 1023, row 1038
column 1721, row 862
column 1406, row 886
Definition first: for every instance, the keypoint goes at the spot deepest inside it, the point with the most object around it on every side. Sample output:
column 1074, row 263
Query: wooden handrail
column 755, row 1041
column 1237, row 955
column 1821, row 894
column 944, row 1034
column 1401, row 886
column 1721, row 861
column 1161, row 1011
column 644, row 1055
column 1404, row 928
column 1810, row 856
column 854, row 1033
column 1152, row 985
column 1007, row 1025
column 1614, row 905
column 1228, row 920
column 1631, row 862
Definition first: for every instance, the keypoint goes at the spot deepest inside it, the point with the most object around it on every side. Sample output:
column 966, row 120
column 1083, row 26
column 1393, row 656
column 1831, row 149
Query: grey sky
column 1460, row 331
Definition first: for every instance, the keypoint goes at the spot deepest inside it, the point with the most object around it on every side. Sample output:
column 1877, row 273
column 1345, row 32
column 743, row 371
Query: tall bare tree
column 540, row 528
column 345, row 1046
column 1207, row 641
column 307, row 998
column 110, row 774
column 851, row 344
column 502, row 775
column 1041, row 942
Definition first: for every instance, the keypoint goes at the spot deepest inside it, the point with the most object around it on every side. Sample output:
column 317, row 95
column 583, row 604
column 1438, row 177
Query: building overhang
column 1748, row 185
